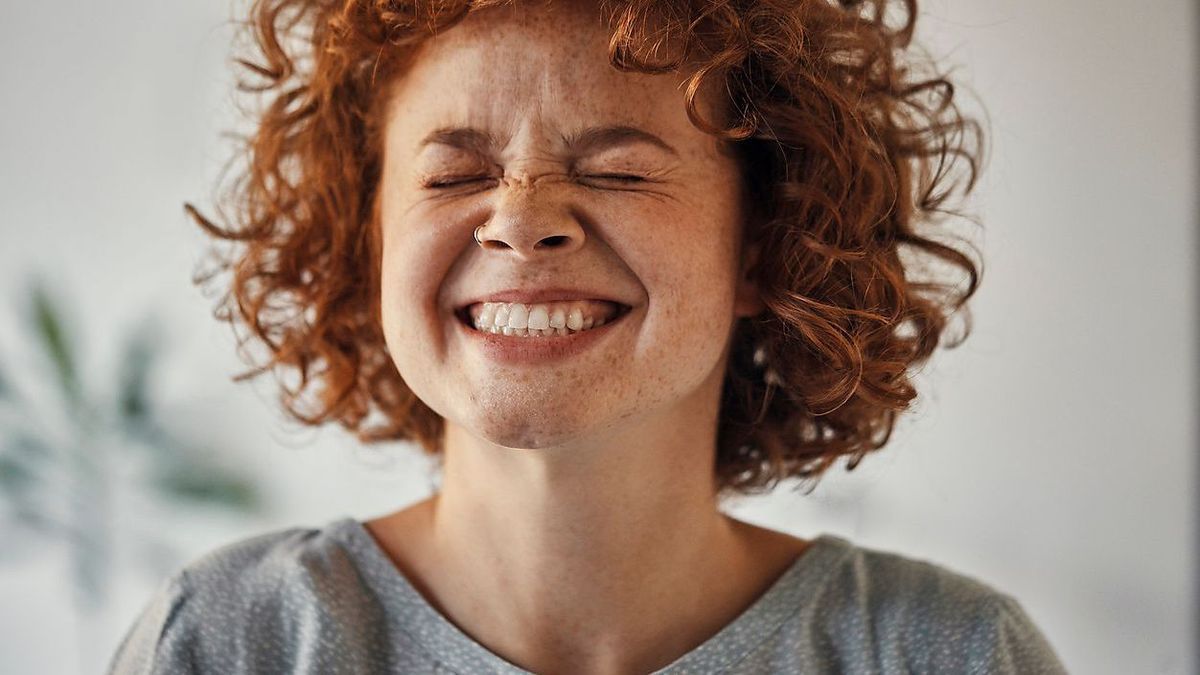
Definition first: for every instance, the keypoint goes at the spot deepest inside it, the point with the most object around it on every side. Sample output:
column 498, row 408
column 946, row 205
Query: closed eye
column 454, row 182
column 622, row 177
column 611, row 181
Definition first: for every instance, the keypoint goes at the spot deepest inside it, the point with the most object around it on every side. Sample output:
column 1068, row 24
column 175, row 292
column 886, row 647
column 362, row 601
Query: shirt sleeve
column 151, row 645
column 1006, row 641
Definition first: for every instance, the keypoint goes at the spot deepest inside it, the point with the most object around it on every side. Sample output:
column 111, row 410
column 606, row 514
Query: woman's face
column 500, row 122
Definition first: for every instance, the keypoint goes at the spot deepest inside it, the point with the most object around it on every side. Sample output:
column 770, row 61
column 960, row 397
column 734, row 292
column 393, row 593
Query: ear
column 747, row 300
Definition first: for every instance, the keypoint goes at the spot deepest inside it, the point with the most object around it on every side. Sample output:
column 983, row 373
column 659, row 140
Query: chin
column 529, row 427
column 527, row 432
column 522, row 441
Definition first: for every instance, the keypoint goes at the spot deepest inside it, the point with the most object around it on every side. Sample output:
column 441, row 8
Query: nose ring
column 476, row 235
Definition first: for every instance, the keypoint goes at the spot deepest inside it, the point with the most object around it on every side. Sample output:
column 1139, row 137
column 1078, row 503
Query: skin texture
column 576, row 529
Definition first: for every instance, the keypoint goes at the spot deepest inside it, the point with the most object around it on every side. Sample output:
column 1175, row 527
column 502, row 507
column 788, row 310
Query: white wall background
column 1051, row 455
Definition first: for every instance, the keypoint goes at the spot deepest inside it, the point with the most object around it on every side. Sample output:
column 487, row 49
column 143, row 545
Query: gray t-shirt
column 329, row 600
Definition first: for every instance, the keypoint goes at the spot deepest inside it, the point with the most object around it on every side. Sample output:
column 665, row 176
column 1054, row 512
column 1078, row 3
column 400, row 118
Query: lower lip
column 515, row 349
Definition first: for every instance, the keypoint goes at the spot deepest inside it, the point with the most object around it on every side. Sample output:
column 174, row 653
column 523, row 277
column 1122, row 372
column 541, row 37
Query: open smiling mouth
column 540, row 320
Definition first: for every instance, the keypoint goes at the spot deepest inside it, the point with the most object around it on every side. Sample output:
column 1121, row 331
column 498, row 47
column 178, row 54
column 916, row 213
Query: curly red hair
column 846, row 152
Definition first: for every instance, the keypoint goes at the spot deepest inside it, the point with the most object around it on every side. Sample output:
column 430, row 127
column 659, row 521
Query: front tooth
column 509, row 330
column 518, row 316
column 501, row 318
column 539, row 318
column 575, row 319
column 558, row 319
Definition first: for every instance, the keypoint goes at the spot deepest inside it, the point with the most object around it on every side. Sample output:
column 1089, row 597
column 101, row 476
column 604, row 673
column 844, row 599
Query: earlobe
column 748, row 301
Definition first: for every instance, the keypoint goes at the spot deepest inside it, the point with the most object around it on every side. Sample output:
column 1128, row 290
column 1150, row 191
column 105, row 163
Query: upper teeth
column 543, row 319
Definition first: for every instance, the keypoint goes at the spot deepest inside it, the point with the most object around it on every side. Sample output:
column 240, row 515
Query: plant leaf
column 5, row 387
column 50, row 330
column 140, row 352
column 198, row 483
column 23, row 464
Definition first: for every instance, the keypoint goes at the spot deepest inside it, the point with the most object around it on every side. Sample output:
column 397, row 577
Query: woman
column 610, row 263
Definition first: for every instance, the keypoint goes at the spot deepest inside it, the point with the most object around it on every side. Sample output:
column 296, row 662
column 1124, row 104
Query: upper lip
column 531, row 296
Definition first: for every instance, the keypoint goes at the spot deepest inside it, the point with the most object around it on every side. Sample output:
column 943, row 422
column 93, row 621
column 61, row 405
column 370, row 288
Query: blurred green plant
column 59, row 462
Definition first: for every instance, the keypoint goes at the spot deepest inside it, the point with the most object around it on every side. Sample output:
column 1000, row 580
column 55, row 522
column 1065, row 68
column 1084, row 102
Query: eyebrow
column 466, row 138
column 594, row 139
column 590, row 140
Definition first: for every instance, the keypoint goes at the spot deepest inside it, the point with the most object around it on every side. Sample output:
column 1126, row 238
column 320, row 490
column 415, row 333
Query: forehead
column 534, row 63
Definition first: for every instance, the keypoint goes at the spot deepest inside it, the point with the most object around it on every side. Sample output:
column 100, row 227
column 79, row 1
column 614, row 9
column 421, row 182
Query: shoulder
column 257, row 568
column 265, row 591
column 899, row 589
column 915, row 614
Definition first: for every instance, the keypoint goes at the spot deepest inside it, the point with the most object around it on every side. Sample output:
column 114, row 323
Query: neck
column 629, row 503
column 605, row 555
column 593, row 560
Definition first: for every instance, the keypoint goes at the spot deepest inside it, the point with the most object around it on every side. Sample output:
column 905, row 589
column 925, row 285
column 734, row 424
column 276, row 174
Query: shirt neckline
column 447, row 644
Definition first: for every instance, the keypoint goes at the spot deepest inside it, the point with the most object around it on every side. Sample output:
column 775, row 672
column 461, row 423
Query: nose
column 532, row 221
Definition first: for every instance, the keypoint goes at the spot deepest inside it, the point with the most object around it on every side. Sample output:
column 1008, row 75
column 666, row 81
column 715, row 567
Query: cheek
column 418, row 248
column 686, row 254
column 397, row 306
column 691, row 289
column 412, row 328
column 413, row 261
column 697, row 296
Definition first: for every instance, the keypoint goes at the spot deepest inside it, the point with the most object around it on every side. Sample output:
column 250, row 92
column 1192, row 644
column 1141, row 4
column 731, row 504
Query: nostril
column 554, row 241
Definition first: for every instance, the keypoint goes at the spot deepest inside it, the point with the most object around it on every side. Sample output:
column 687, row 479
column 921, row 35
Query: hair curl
column 845, row 150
